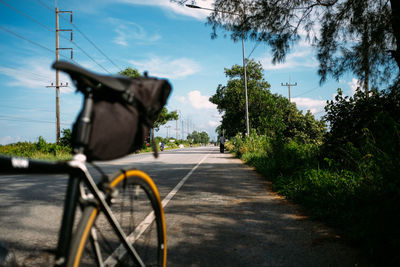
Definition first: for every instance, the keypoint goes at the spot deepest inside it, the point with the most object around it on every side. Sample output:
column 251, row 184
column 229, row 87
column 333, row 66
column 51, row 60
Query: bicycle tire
column 145, row 225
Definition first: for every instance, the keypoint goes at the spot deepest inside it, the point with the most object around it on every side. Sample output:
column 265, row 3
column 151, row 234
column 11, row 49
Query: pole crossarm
column 288, row 84
column 57, row 85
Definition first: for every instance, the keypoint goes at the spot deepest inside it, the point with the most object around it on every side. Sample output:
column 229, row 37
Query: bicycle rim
column 136, row 205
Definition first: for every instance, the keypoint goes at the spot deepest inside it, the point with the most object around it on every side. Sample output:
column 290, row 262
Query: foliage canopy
column 269, row 114
column 130, row 72
column 360, row 36
column 198, row 137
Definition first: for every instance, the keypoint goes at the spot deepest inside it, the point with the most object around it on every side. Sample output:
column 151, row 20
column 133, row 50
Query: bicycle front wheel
column 135, row 202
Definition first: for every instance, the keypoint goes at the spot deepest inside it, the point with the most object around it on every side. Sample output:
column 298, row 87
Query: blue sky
column 157, row 36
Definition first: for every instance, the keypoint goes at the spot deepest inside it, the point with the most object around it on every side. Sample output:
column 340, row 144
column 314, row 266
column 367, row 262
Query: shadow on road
column 224, row 216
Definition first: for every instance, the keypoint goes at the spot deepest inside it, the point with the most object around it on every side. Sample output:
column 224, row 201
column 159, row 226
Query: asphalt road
column 222, row 215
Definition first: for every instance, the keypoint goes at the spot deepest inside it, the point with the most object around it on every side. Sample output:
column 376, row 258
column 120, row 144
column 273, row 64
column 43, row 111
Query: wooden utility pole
column 288, row 85
column 57, row 85
column 176, row 129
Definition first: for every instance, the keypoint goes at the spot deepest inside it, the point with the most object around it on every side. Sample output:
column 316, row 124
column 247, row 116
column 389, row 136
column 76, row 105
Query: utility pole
column 244, row 58
column 57, row 85
column 176, row 129
column 288, row 85
column 167, row 129
column 245, row 89
column 183, row 131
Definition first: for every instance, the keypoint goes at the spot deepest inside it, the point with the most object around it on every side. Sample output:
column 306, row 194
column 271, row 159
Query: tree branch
column 327, row 4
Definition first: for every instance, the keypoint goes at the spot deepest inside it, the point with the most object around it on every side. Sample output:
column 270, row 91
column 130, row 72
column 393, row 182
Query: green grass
column 363, row 204
column 38, row 150
column 51, row 151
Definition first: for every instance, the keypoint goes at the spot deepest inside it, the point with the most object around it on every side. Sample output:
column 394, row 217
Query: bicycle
column 121, row 219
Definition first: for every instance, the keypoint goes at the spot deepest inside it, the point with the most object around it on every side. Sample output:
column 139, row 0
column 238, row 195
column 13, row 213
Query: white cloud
column 199, row 101
column 36, row 73
column 127, row 31
column 310, row 104
column 354, row 84
column 167, row 67
column 196, row 108
column 175, row 8
column 302, row 58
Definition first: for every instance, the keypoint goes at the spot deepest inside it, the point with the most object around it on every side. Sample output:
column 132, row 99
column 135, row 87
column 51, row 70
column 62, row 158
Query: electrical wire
column 98, row 49
column 53, row 30
column 10, row 118
column 26, row 39
column 33, row 42
column 98, row 64
column 92, row 43
column 306, row 92
column 46, row 6
column 39, row 77
column 25, row 15
column 254, row 48
column 32, row 109
column 26, row 108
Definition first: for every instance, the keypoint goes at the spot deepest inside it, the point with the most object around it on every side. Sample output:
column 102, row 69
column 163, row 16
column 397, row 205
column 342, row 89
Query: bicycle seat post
column 83, row 127
column 80, row 141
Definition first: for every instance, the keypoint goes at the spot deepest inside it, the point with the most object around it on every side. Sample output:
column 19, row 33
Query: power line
column 98, row 64
column 25, row 15
column 112, row 62
column 26, row 39
column 92, row 43
column 33, row 42
column 87, row 38
column 306, row 92
column 26, row 109
column 46, row 6
column 52, row 30
column 39, row 77
column 10, row 118
column 288, row 85
column 254, row 48
column 80, row 48
column 86, row 53
column 32, row 109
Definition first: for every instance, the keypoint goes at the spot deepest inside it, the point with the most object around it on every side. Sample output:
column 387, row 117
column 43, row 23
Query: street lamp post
column 244, row 64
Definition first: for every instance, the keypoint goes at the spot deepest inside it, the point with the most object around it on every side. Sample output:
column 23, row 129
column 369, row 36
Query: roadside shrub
column 351, row 180
column 66, row 138
column 39, row 150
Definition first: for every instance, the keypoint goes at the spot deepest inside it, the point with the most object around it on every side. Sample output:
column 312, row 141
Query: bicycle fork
column 70, row 205
column 65, row 235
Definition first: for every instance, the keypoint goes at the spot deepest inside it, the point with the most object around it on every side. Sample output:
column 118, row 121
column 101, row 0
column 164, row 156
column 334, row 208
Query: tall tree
column 130, row 72
column 198, row 137
column 269, row 114
column 164, row 116
column 230, row 99
column 362, row 36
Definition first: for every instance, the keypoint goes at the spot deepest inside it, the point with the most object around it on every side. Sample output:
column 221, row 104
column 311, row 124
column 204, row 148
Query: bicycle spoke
column 136, row 216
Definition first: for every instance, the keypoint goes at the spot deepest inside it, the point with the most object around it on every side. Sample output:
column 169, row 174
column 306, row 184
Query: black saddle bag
column 121, row 121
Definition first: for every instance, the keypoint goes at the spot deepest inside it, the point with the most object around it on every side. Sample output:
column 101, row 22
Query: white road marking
column 120, row 251
column 180, row 184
